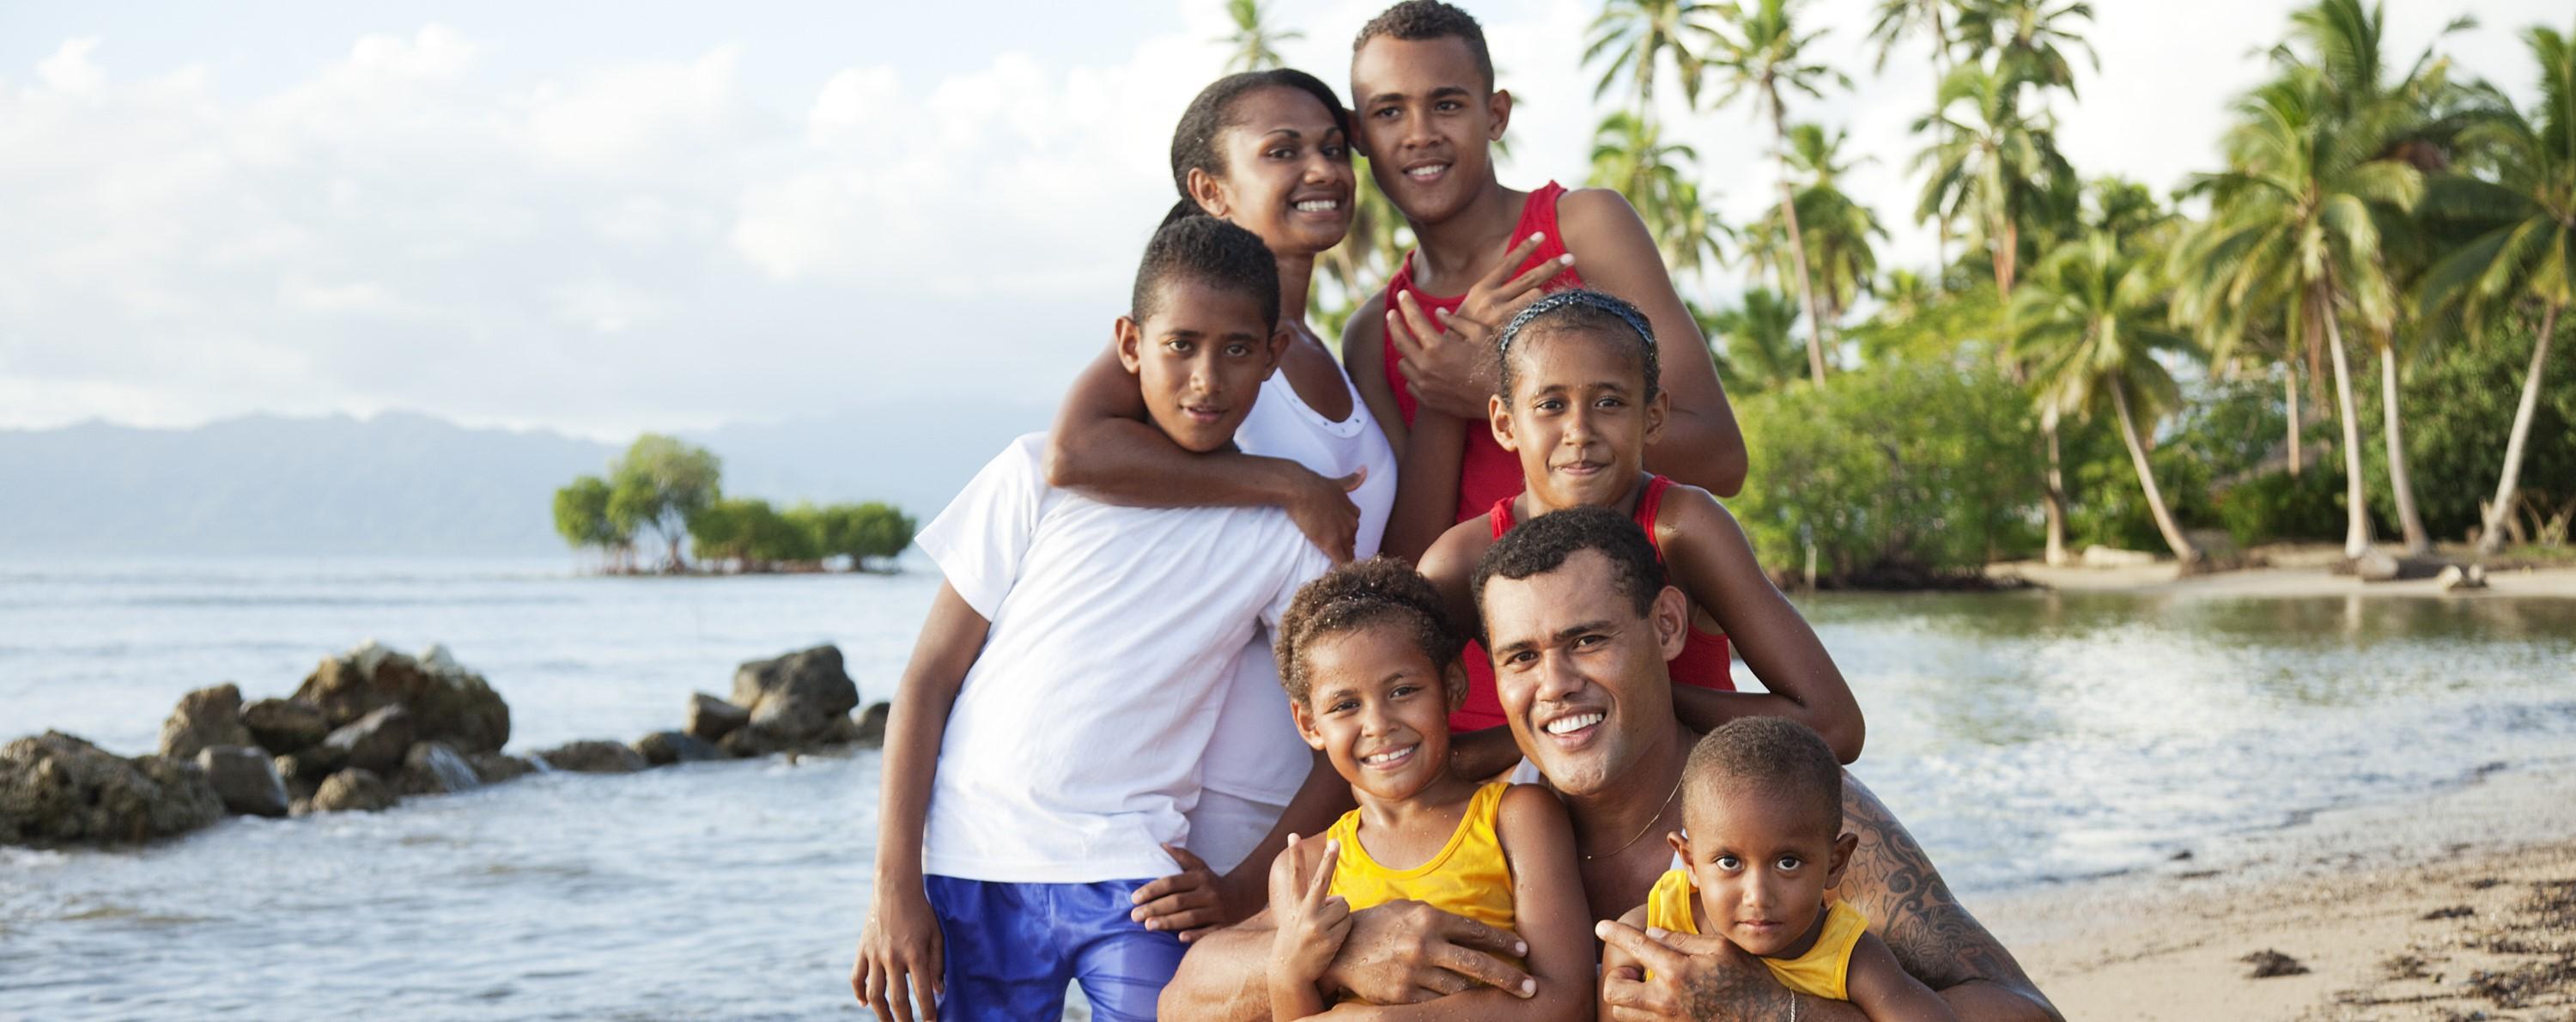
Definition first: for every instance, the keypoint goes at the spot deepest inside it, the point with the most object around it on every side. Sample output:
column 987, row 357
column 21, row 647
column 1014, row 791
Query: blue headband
column 1569, row 299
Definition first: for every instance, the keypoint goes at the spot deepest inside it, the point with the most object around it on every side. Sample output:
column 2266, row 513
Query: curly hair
column 1377, row 591
column 1212, row 252
column 1594, row 313
column 1416, row 20
column 1208, row 115
column 1543, row 544
column 1766, row 757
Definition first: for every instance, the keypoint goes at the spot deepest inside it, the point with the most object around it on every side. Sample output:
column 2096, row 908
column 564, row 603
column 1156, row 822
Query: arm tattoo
column 1932, row 935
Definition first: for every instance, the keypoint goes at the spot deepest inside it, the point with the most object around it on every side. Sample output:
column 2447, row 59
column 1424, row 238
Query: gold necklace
column 1650, row 823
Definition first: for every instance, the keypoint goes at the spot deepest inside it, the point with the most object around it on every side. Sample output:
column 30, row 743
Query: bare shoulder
column 1454, row 554
column 1364, row 334
column 1691, row 514
column 1600, row 221
column 1532, row 805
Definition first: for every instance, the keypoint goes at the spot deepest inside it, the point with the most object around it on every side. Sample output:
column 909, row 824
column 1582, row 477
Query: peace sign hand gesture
column 1450, row 363
column 1312, row 920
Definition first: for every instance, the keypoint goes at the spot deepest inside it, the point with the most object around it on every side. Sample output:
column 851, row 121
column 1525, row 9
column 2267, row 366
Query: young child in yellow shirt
column 1764, row 846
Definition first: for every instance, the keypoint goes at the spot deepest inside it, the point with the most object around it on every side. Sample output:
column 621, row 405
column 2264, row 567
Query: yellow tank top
column 1820, row 971
column 1468, row 877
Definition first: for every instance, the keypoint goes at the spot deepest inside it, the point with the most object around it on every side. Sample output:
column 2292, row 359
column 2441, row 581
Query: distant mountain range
column 404, row 484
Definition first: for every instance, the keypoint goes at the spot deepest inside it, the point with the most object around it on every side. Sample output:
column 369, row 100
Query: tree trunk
column 2290, row 401
column 2183, row 551
column 2491, row 535
column 1798, row 246
column 2053, row 493
column 2408, row 522
column 2356, row 534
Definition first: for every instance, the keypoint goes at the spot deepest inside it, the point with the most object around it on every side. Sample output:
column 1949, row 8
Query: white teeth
column 1318, row 206
column 1390, row 756
column 1426, row 172
column 1577, row 722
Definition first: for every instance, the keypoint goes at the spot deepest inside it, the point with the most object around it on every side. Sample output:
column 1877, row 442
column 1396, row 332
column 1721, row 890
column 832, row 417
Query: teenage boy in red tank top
column 1428, row 112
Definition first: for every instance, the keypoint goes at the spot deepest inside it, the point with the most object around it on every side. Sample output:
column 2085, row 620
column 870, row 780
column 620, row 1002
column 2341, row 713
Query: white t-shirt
column 1071, row 752
column 1256, row 753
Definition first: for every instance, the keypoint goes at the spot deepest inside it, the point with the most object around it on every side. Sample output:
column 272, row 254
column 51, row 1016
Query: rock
column 376, row 742
column 354, row 790
column 446, row 702
column 795, row 698
column 431, row 768
column 311, row 765
column 285, row 725
column 749, row 743
column 55, row 788
column 872, row 724
column 2455, row 578
column 204, row 718
column 710, row 718
column 2268, row 963
column 2099, row 556
column 245, row 778
column 663, row 748
column 2375, row 566
column 495, row 768
column 302, row 774
column 593, row 757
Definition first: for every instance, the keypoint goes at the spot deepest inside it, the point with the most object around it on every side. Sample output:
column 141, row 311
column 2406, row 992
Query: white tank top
column 1256, row 753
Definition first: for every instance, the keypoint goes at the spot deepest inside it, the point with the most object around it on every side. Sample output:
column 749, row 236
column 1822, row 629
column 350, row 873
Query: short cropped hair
column 1417, row 20
column 1380, row 590
column 1542, row 544
column 1600, row 314
column 1770, row 757
column 1212, row 252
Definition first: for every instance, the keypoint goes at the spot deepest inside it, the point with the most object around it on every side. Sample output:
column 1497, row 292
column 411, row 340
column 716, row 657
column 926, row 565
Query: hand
column 1312, row 921
column 1189, row 902
column 1323, row 510
column 1405, row 952
column 1693, row 976
column 1450, row 364
column 900, row 958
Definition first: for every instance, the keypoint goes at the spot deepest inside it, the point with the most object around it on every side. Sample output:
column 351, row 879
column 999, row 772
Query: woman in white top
column 1268, row 151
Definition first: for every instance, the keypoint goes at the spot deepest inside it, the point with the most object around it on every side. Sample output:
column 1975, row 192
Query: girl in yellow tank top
column 1371, row 668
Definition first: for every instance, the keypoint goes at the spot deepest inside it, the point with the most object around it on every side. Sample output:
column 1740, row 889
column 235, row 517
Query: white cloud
column 69, row 69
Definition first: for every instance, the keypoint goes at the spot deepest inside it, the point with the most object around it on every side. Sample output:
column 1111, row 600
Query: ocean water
column 2026, row 738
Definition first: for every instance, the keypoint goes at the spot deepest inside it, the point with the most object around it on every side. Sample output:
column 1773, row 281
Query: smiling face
column 1579, row 672
column 1287, row 172
column 1379, row 709
column 1426, row 119
column 1199, row 357
column 1578, row 416
column 1762, row 863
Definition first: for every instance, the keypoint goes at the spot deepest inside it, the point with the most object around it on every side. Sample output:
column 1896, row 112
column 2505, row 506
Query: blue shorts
column 1011, row 948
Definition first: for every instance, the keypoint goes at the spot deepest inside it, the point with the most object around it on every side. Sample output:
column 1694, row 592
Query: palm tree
column 2028, row 38
column 1255, row 44
column 1629, row 155
column 1757, row 340
column 2295, row 221
column 1840, row 256
column 1896, row 20
column 2525, row 255
column 1990, row 164
column 1637, row 36
column 1763, row 55
column 2090, row 325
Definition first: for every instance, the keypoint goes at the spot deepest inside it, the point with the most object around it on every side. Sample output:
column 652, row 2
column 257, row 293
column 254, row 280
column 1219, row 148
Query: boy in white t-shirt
column 1045, row 741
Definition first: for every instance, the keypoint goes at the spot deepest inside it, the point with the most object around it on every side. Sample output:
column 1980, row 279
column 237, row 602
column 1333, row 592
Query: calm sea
column 2027, row 738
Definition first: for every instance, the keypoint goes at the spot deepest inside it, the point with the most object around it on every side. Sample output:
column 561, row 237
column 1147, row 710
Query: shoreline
column 2460, row 903
column 2287, row 572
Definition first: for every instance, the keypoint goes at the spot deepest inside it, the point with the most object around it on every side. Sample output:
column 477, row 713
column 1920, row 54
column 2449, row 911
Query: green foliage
column 1755, row 343
column 1255, row 42
column 862, row 531
column 2458, row 404
column 1899, row 471
column 581, row 515
column 659, row 483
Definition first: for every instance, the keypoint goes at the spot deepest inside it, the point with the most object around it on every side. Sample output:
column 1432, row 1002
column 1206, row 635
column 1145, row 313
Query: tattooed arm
column 1892, row 882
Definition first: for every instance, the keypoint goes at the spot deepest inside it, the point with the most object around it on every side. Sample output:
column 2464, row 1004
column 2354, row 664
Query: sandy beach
column 2460, row 906
column 2285, row 570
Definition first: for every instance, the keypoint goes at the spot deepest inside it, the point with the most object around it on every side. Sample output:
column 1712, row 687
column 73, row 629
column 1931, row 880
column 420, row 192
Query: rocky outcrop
column 663, row 748
column 376, row 742
column 446, row 702
column 593, row 757
column 871, row 725
column 495, row 768
column 203, row 719
column 431, row 768
column 354, row 790
column 710, row 719
column 245, row 779
column 56, row 789
column 796, row 698
column 285, row 725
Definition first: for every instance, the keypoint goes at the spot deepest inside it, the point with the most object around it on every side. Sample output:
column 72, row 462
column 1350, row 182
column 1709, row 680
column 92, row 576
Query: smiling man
column 1581, row 624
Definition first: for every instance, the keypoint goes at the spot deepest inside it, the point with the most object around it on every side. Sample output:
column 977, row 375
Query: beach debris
column 245, row 778
column 354, row 790
column 593, row 757
column 204, row 718
column 432, row 768
column 663, row 748
column 58, row 789
column 710, row 718
column 2455, row 578
column 2268, row 963
column 794, row 699
column 375, row 742
column 2453, row 912
column 2181, row 856
column 285, row 725
column 2405, row 967
column 445, row 701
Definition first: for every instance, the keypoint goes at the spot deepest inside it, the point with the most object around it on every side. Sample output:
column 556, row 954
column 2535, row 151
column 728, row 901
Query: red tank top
column 1488, row 472
column 1703, row 661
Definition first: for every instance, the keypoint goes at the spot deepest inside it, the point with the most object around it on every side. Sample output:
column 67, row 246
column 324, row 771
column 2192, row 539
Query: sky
column 608, row 218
